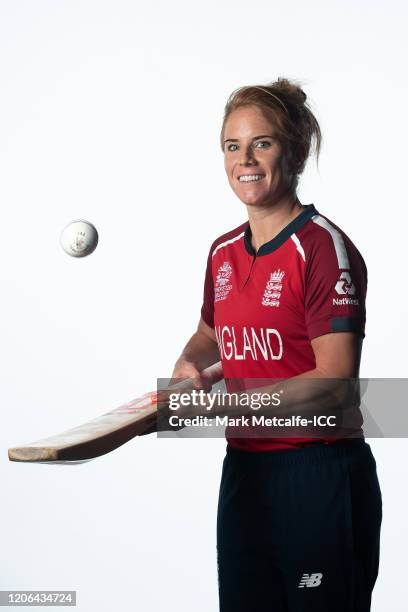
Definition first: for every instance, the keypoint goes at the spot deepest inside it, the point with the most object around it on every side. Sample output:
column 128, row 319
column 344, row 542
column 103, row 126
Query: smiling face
column 253, row 158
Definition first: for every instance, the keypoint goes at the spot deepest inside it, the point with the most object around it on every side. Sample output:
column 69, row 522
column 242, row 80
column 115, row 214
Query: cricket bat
column 105, row 433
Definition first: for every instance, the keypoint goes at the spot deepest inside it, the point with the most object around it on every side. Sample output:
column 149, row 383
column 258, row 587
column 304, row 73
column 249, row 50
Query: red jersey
column 266, row 306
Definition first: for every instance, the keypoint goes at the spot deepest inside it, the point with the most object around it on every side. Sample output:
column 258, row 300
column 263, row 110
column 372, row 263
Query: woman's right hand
column 187, row 369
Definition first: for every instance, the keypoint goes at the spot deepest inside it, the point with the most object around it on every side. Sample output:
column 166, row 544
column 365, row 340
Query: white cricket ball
column 79, row 238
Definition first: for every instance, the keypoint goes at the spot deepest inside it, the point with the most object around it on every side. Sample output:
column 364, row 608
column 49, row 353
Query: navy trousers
column 299, row 530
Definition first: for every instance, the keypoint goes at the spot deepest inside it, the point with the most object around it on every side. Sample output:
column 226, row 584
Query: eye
column 264, row 144
column 232, row 145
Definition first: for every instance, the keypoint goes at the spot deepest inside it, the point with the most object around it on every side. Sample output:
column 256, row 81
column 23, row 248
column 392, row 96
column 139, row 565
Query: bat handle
column 211, row 375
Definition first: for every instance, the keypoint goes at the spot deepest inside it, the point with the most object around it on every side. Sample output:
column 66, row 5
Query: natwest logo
column 345, row 287
column 345, row 284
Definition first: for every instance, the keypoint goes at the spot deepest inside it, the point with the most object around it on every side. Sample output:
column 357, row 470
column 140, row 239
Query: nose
column 247, row 157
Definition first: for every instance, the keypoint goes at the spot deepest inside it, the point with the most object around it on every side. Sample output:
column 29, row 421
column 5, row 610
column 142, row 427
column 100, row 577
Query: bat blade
column 103, row 434
column 92, row 439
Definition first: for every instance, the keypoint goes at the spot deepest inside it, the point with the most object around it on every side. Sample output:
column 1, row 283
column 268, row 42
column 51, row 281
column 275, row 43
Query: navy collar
column 284, row 234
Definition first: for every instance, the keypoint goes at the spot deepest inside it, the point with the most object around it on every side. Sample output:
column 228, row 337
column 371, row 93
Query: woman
column 298, row 517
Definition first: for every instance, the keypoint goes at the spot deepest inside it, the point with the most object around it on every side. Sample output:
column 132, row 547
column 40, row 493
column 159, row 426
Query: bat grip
column 211, row 374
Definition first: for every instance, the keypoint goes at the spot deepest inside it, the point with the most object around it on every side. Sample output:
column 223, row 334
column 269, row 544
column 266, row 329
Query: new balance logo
column 310, row 580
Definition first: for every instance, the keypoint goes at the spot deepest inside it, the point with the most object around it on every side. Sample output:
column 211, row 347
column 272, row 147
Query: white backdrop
column 111, row 111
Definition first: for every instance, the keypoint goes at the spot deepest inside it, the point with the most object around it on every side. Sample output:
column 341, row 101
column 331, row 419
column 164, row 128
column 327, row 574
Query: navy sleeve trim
column 354, row 324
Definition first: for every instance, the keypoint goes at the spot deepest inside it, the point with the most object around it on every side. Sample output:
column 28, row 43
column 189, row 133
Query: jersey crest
column 273, row 289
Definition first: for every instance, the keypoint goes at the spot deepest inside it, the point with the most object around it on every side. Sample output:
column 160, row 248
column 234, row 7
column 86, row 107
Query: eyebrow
column 254, row 138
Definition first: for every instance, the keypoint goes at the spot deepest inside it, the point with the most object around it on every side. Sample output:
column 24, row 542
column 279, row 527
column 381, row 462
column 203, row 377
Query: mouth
column 250, row 178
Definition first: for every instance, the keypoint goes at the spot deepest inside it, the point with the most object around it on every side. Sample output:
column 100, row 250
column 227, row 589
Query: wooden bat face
column 93, row 438
column 103, row 434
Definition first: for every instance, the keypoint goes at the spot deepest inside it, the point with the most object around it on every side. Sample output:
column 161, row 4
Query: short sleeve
column 207, row 308
column 335, row 289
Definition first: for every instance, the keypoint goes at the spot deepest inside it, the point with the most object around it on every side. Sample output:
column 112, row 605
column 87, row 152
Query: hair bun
column 289, row 89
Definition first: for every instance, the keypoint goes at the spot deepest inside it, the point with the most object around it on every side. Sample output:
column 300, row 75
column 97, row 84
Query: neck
column 267, row 222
